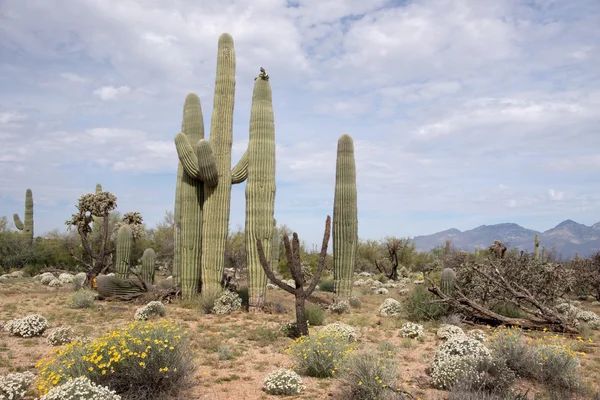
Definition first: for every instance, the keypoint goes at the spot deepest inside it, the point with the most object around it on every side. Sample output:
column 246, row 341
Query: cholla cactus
column 29, row 326
column 80, row 389
column 390, row 308
column 227, row 303
column 14, row 386
column 283, row 382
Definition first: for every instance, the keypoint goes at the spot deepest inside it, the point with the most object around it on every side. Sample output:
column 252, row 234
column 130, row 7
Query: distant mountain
column 569, row 237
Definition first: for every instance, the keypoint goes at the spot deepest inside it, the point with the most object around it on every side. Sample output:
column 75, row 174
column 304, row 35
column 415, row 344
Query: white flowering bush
column 283, row 382
column 390, row 308
column 227, row 303
column 359, row 282
column 412, row 330
column 65, row 278
column 29, row 326
column 456, row 358
column 449, row 331
column 55, row 283
column 478, row 335
column 61, row 335
column 46, row 278
column 381, row 290
column 341, row 330
column 80, row 389
column 149, row 310
column 14, row 386
column 340, row 307
column 272, row 286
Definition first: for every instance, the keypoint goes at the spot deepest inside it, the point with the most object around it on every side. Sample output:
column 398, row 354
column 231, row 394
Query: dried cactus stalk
column 260, row 189
column 345, row 219
column 123, row 251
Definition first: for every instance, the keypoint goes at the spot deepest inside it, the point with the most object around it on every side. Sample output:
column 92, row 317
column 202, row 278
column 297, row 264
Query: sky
column 463, row 112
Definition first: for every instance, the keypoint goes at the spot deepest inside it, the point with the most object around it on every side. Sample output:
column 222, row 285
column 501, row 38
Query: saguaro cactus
column 123, row 251
column 260, row 188
column 345, row 219
column 447, row 281
column 210, row 163
column 275, row 246
column 537, row 247
column 27, row 225
column 148, row 266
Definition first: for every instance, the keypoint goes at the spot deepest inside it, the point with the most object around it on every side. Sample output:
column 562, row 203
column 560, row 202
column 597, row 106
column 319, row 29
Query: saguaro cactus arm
column 203, row 167
column 18, row 223
column 239, row 173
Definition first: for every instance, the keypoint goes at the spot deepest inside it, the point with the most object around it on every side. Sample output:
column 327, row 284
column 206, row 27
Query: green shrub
column 315, row 315
column 369, row 376
column 507, row 309
column 243, row 293
column 355, row 302
column 320, row 355
column 142, row 360
column 420, row 306
column 326, row 285
column 83, row 298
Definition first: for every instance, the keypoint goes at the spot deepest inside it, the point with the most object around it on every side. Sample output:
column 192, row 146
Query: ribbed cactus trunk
column 275, row 248
column 260, row 189
column 27, row 225
column 148, row 266
column 123, row 251
column 345, row 219
column 447, row 281
column 537, row 247
column 189, row 200
column 543, row 258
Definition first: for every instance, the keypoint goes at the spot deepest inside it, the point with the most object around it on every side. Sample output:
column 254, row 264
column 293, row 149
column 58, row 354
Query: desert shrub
column 390, row 308
column 207, row 301
column 142, row 360
column 421, row 306
column 412, row 330
column 149, row 310
column 387, row 349
column 339, row 307
column 368, row 376
column 55, row 283
column 314, row 315
column 456, row 358
column 46, row 278
column 451, row 319
column 80, row 388
column 340, row 329
column 14, row 386
column 510, row 345
column 290, row 330
column 449, row 331
column 61, row 335
column 381, row 278
column 225, row 353
column 320, row 355
column 273, row 307
column 587, row 275
column 507, row 309
column 381, row 290
column 79, row 280
column 83, row 298
column 326, row 285
column 355, row 302
column 486, row 375
column 29, row 326
column 478, row 335
column 245, row 296
column 283, row 382
column 65, row 278
column 227, row 303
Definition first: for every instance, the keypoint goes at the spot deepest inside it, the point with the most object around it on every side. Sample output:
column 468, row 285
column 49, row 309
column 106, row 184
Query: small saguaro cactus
column 543, row 259
column 537, row 247
column 123, row 251
column 148, row 266
column 27, row 225
column 447, row 281
column 301, row 292
column 345, row 219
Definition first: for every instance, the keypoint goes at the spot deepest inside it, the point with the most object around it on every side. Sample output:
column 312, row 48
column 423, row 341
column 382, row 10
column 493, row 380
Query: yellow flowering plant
column 320, row 355
column 139, row 360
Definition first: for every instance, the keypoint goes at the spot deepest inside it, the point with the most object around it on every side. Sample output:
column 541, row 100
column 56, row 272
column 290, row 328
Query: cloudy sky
column 463, row 112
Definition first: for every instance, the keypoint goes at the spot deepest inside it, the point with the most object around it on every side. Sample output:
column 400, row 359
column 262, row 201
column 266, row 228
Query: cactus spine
column 205, row 218
column 123, row 251
column 148, row 266
column 447, row 282
column 345, row 219
column 27, row 225
column 537, row 247
column 260, row 188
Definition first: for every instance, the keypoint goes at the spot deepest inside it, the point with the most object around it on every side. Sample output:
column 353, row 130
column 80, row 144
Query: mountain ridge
column 568, row 238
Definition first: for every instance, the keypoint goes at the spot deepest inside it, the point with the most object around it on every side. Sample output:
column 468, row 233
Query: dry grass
column 235, row 352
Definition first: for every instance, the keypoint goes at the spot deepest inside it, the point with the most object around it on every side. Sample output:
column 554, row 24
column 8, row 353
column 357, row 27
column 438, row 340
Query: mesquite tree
column 292, row 253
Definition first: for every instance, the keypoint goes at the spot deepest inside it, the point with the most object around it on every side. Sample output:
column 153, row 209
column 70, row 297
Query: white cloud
column 11, row 119
column 109, row 93
column 74, row 78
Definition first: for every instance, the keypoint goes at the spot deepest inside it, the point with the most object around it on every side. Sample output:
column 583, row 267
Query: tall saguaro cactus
column 148, row 266
column 345, row 219
column 260, row 188
column 537, row 247
column 206, row 165
column 275, row 246
column 123, row 251
column 27, row 225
